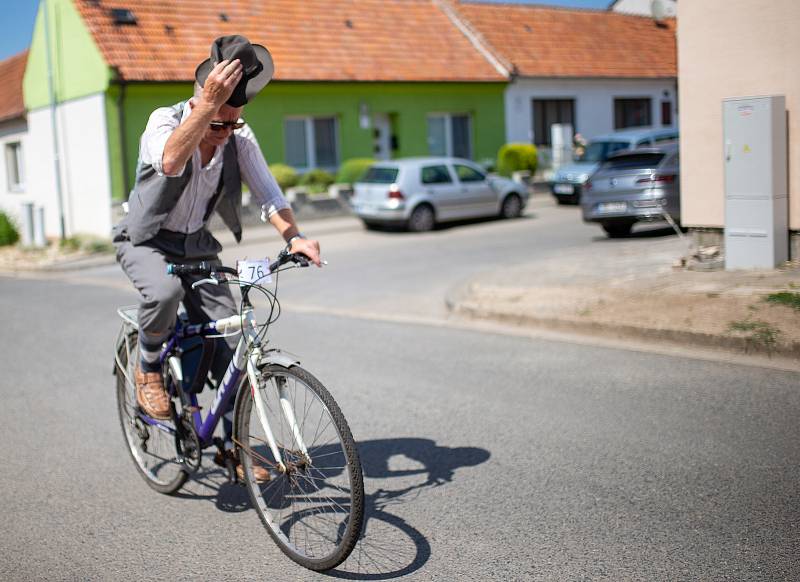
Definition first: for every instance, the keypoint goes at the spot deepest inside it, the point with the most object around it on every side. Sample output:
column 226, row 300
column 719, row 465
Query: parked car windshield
column 378, row 175
column 633, row 162
column 598, row 151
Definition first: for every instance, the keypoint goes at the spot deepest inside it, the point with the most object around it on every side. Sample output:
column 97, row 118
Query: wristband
column 292, row 239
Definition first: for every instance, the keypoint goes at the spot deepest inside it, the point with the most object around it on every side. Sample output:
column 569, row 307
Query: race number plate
column 256, row 271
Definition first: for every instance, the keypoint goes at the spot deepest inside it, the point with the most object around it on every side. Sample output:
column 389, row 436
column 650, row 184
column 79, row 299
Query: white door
column 382, row 130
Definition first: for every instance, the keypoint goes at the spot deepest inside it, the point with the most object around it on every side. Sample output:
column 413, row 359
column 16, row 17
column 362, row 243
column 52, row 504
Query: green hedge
column 8, row 231
column 353, row 170
column 286, row 176
column 514, row 157
column 317, row 180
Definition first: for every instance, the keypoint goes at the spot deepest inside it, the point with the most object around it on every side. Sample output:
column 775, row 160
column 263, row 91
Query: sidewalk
column 629, row 289
column 53, row 259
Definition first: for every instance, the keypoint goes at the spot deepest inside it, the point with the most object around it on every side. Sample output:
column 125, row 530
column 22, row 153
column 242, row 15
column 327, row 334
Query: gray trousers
column 160, row 293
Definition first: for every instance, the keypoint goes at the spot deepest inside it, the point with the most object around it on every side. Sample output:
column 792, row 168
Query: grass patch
column 758, row 334
column 786, row 298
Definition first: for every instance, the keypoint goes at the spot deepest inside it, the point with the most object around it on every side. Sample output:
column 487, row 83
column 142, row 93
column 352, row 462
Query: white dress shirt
column 188, row 214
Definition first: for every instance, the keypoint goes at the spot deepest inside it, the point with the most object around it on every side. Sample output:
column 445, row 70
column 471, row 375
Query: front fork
column 286, row 407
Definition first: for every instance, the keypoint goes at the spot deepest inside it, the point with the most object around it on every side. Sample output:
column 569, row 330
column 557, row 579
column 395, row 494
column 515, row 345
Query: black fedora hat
column 257, row 66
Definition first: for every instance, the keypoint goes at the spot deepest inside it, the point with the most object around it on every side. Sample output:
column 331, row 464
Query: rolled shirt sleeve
column 256, row 174
column 159, row 128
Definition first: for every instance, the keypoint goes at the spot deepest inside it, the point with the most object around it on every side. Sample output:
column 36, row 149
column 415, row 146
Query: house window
column 632, row 112
column 666, row 113
column 311, row 142
column 449, row 135
column 547, row 112
column 16, row 177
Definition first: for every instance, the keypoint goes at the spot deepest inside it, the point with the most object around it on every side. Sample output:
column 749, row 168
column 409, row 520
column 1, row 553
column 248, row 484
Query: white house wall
column 11, row 200
column 644, row 7
column 594, row 102
column 85, row 177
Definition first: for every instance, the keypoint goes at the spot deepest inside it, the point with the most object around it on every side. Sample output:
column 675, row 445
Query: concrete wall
column 594, row 102
column 732, row 48
column 85, row 178
column 11, row 200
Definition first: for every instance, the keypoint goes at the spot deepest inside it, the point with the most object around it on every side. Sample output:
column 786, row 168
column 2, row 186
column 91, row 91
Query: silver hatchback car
column 632, row 186
column 418, row 193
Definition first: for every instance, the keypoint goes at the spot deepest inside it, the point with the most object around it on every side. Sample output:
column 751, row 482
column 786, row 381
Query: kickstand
column 230, row 466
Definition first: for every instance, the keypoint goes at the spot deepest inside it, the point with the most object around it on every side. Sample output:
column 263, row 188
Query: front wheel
column 313, row 504
column 512, row 206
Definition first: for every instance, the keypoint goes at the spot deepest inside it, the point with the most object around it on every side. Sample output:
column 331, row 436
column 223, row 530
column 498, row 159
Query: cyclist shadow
column 389, row 546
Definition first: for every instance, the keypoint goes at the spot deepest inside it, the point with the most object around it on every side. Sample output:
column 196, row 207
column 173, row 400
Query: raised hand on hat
column 221, row 82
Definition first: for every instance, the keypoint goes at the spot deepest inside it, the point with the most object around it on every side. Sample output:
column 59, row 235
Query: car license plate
column 564, row 189
column 612, row 207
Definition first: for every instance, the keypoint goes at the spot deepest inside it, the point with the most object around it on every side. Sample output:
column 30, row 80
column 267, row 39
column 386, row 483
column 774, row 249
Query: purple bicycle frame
column 225, row 391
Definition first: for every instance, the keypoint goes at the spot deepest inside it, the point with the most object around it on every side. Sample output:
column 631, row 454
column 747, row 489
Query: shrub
column 353, row 170
column 514, row 157
column 286, row 176
column 317, row 180
column 8, row 231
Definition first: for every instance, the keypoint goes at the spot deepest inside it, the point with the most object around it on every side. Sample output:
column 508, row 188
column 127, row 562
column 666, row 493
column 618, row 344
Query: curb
column 458, row 305
column 316, row 226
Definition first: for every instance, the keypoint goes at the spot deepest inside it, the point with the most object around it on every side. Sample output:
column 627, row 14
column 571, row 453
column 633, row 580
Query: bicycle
column 287, row 422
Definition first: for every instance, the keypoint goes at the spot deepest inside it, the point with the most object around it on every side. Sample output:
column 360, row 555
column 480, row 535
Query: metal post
column 27, row 224
column 39, row 238
column 53, row 124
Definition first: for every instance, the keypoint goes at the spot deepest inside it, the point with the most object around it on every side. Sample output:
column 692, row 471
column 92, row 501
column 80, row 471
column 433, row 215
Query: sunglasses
column 220, row 125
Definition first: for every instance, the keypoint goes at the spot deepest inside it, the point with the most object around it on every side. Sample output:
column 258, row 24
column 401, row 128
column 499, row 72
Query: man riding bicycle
column 193, row 158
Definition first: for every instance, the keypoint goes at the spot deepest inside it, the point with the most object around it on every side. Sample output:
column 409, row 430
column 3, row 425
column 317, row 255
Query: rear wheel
column 152, row 448
column 422, row 219
column 313, row 508
column 617, row 229
column 511, row 207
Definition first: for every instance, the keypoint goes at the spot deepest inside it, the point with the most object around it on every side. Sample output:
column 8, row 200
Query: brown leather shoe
column 259, row 472
column 151, row 395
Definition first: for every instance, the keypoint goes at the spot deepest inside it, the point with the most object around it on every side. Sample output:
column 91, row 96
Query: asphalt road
column 487, row 456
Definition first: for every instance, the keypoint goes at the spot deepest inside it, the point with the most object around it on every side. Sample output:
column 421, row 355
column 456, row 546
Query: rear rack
column 130, row 315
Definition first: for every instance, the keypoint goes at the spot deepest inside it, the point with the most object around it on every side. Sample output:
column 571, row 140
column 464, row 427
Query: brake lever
column 210, row 280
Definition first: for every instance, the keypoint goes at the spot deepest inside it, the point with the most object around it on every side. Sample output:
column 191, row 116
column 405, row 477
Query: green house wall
column 78, row 66
column 408, row 105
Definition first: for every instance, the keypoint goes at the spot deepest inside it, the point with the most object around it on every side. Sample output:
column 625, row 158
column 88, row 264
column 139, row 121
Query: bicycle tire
column 305, row 486
column 133, row 432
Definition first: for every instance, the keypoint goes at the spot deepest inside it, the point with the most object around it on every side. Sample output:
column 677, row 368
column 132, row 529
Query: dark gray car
column 633, row 186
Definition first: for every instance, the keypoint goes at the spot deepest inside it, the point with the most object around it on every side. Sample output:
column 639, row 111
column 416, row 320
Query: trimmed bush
column 317, row 180
column 514, row 157
column 286, row 176
column 8, row 231
column 352, row 170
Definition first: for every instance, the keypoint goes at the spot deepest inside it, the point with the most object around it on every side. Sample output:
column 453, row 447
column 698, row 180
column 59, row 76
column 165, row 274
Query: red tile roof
column 11, row 71
column 310, row 40
column 559, row 42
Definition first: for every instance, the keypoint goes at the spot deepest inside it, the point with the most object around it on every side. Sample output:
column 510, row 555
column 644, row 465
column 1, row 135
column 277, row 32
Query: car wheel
column 617, row 229
column 512, row 206
column 422, row 219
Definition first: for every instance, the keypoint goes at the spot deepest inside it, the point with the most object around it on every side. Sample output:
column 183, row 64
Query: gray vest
column 154, row 196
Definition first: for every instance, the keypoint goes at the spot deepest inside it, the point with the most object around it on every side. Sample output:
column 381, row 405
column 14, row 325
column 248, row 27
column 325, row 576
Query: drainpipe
column 123, row 85
column 53, row 123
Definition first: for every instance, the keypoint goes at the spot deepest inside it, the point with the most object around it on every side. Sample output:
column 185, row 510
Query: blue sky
column 16, row 26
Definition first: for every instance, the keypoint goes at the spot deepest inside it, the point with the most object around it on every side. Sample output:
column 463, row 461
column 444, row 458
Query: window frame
column 619, row 111
column 18, row 156
column 311, row 142
column 539, row 110
column 448, row 132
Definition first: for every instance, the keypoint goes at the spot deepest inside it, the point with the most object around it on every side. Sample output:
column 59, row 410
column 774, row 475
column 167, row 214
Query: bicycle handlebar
column 206, row 268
